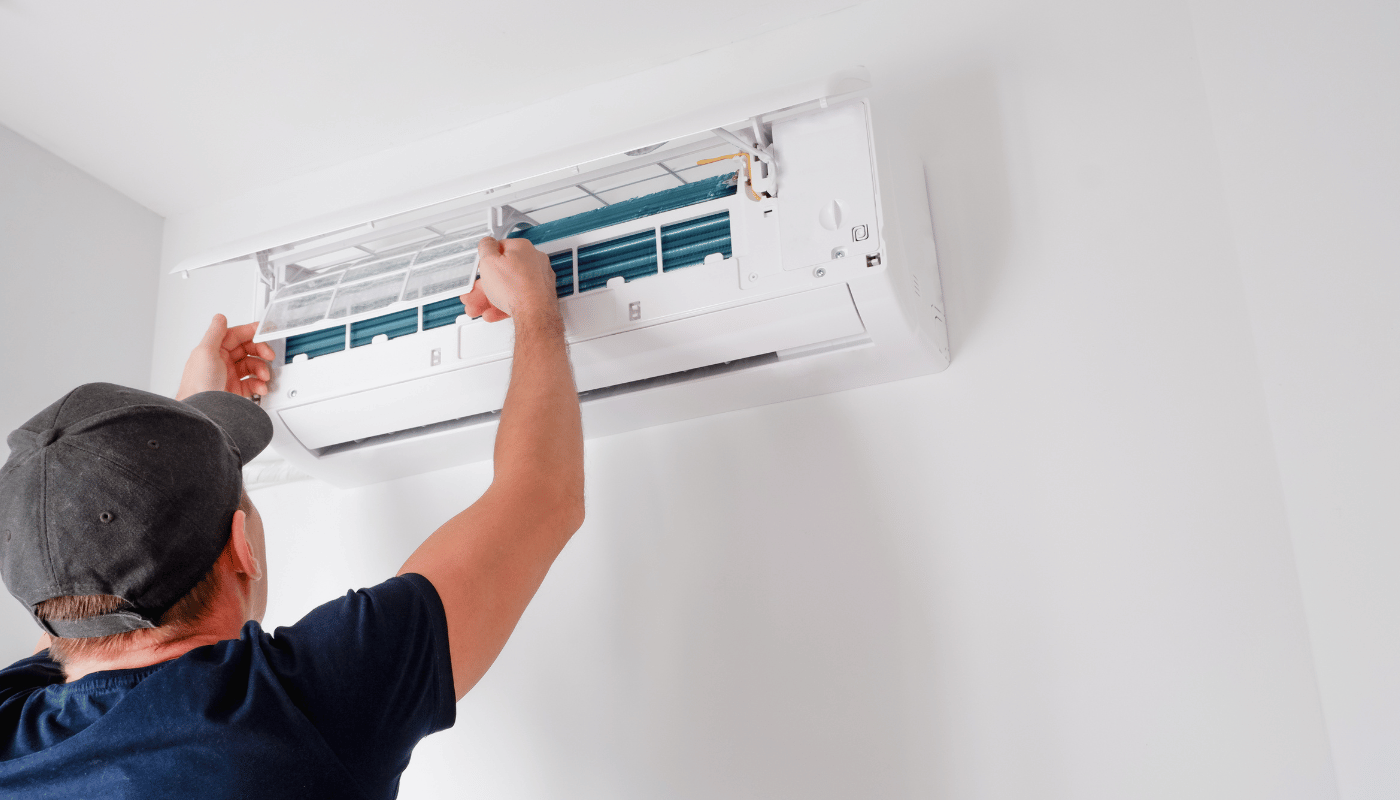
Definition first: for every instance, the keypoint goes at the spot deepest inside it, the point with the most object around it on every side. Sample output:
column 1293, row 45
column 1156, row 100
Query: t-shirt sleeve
column 373, row 672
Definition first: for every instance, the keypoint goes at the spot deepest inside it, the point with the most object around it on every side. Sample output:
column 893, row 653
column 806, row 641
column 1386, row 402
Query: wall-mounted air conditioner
column 753, row 259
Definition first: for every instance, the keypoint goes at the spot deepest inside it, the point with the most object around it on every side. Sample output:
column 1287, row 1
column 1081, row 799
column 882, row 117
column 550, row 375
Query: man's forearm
column 539, row 445
column 488, row 561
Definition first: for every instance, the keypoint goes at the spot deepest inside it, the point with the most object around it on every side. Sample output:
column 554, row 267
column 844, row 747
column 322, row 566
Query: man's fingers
column 248, row 376
column 487, row 247
column 238, row 341
column 253, row 367
column 218, row 327
column 494, row 314
column 251, row 387
column 261, row 350
column 239, row 335
column 475, row 301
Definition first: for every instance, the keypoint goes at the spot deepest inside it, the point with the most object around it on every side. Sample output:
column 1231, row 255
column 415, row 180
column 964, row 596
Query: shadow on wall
column 957, row 124
column 752, row 632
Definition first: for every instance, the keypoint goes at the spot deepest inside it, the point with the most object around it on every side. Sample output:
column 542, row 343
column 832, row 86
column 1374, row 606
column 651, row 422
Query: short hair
column 180, row 620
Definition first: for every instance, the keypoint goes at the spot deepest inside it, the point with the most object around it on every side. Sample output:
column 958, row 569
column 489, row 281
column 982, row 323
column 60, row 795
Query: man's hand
column 227, row 360
column 513, row 279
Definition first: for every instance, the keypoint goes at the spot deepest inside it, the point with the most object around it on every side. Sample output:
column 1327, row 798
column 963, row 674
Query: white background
column 1138, row 541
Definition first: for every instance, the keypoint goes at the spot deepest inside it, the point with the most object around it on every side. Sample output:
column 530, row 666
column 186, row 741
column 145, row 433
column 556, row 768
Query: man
column 125, row 531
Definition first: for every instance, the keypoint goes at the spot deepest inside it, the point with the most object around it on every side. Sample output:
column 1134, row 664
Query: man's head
column 189, row 616
column 117, row 493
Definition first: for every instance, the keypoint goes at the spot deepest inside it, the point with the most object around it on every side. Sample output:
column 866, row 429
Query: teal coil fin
column 399, row 323
column 636, row 208
column 563, row 266
column 686, row 244
column 442, row 313
column 316, row 343
column 631, row 257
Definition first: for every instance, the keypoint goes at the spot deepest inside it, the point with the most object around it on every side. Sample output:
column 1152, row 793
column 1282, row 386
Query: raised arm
column 488, row 561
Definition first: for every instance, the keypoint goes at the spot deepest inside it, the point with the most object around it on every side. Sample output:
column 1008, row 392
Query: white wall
column 78, row 265
column 1062, row 568
column 1305, row 100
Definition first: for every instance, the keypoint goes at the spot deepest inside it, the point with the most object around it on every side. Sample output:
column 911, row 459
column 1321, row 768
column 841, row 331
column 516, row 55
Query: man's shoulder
column 32, row 672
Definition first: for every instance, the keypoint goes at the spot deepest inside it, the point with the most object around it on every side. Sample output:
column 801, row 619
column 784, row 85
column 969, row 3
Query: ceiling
column 180, row 105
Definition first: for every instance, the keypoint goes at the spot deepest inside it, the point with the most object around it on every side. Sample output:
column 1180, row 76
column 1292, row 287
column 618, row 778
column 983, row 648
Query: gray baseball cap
column 122, row 492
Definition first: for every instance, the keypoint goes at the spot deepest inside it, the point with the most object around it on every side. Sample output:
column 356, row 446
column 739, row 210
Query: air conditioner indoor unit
column 749, row 259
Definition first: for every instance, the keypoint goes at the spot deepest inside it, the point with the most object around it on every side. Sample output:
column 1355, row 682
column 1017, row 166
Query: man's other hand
column 513, row 279
column 227, row 360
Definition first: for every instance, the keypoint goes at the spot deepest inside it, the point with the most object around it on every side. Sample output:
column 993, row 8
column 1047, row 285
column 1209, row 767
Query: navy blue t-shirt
column 329, row 707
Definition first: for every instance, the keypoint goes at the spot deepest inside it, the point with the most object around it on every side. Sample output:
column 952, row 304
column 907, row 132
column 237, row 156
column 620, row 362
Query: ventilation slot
column 399, row 323
column 686, row 244
column 563, row 266
column 442, row 313
column 630, row 257
column 316, row 343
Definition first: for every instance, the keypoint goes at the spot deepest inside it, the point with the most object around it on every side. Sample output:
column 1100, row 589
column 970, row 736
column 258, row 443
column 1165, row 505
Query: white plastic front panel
column 733, row 333
column 895, row 329
column 826, row 187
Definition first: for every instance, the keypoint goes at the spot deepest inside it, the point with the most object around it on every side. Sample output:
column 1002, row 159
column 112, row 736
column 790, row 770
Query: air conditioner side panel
column 916, row 286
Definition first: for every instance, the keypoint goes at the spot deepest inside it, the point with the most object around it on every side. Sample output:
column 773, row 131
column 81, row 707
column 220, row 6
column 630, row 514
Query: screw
column 820, row 272
column 753, row 276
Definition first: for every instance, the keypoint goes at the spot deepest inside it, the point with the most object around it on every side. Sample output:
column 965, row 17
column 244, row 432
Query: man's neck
column 140, row 656
column 224, row 620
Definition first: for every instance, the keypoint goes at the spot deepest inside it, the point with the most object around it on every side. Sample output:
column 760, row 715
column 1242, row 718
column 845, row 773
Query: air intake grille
column 686, row 244
column 399, row 323
column 632, row 256
column 683, row 244
column 645, row 206
column 563, row 266
column 316, row 343
column 443, row 312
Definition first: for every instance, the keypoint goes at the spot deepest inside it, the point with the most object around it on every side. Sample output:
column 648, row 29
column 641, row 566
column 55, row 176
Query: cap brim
column 242, row 419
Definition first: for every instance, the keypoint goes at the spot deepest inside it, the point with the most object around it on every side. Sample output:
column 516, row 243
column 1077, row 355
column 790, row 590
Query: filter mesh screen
column 441, row 263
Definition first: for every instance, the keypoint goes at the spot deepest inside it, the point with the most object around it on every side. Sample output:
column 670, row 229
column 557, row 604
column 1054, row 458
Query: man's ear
column 243, row 559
